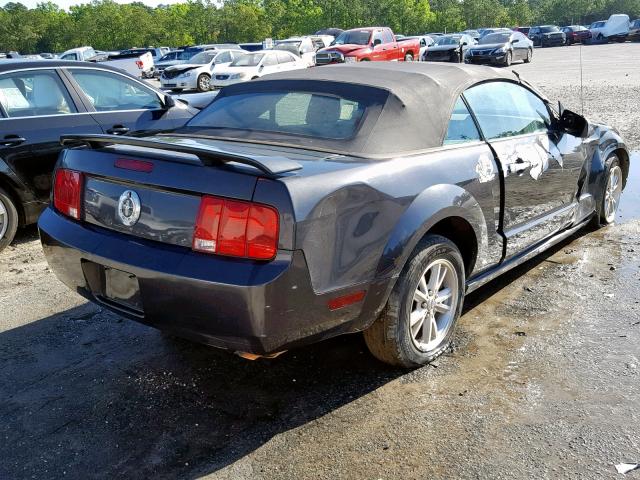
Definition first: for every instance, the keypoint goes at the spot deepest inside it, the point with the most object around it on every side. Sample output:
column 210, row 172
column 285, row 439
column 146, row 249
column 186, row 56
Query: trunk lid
column 160, row 185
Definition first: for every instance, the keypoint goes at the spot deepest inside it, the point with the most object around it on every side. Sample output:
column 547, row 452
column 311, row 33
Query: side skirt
column 480, row 280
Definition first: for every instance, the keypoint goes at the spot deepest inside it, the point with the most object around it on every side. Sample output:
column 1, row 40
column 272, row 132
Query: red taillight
column 236, row 228
column 67, row 191
column 139, row 64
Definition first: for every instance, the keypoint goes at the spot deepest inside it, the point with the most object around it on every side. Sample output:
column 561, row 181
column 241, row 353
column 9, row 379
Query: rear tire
column 8, row 219
column 612, row 189
column 403, row 334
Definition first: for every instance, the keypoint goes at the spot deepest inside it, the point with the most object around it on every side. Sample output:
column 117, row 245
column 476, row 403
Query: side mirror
column 377, row 42
column 168, row 102
column 573, row 124
column 260, row 68
column 464, row 44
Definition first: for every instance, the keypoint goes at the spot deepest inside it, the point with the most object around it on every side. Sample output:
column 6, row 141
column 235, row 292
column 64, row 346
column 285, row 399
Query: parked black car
column 547, row 36
column 501, row 48
column 375, row 197
column 41, row 100
column 576, row 34
column 448, row 48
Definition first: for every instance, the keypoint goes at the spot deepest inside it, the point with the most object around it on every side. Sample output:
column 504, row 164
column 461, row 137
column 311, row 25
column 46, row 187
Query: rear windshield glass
column 549, row 29
column 318, row 115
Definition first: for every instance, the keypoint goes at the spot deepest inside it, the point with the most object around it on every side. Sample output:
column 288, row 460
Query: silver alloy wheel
column 434, row 305
column 4, row 219
column 612, row 193
column 204, row 82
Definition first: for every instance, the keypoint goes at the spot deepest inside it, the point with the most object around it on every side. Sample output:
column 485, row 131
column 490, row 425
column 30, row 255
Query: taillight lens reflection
column 236, row 228
column 67, row 191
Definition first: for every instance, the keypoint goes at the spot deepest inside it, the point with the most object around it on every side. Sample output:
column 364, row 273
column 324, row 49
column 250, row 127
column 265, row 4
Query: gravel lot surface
column 543, row 380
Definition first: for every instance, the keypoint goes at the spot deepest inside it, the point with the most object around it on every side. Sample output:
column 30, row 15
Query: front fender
column 433, row 205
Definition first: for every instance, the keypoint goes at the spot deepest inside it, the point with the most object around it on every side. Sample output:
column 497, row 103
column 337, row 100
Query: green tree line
column 107, row 25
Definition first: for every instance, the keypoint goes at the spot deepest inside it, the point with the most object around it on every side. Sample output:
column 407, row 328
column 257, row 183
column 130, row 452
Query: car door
column 540, row 183
column 378, row 49
column 36, row 109
column 269, row 64
column 286, row 61
column 390, row 47
column 123, row 105
column 519, row 45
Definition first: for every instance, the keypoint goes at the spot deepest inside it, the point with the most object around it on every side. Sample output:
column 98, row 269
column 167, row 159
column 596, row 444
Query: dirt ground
column 543, row 380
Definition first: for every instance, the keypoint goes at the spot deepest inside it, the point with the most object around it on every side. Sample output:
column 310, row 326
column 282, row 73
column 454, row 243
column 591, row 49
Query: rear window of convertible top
column 314, row 114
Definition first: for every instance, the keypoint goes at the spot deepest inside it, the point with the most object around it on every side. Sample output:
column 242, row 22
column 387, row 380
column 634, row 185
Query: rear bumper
column 234, row 304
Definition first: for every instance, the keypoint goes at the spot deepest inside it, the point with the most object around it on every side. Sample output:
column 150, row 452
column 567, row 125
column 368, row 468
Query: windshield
column 446, row 40
column 636, row 24
column 186, row 55
column 597, row 24
column 203, row 58
column 549, row 29
column 358, row 37
column 312, row 114
column 495, row 38
column 248, row 60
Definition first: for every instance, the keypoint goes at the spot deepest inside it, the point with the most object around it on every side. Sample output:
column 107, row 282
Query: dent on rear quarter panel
column 347, row 218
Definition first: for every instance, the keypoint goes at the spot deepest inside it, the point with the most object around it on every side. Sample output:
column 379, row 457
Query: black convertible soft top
column 419, row 100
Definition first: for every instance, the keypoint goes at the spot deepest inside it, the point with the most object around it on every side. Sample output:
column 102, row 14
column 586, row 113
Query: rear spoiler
column 272, row 166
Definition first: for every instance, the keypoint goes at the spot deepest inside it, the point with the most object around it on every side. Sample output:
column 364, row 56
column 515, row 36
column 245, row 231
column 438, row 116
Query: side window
column 29, row 94
column 69, row 56
column 224, row 57
column 505, row 109
column 461, row 128
column 284, row 57
column 387, row 36
column 377, row 36
column 269, row 60
column 109, row 92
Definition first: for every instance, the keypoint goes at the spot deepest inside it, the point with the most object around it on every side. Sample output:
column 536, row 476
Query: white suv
column 256, row 65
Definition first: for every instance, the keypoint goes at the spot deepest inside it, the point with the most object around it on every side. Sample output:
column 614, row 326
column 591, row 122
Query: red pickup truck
column 377, row 44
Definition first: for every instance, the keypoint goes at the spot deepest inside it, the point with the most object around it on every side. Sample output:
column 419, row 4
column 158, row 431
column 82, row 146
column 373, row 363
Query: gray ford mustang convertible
column 308, row 204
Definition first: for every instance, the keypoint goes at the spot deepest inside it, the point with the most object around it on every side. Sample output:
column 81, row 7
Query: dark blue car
column 308, row 204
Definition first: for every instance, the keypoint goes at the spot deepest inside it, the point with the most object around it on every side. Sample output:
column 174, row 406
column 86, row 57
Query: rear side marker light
column 135, row 165
column 346, row 300
column 236, row 228
column 67, row 192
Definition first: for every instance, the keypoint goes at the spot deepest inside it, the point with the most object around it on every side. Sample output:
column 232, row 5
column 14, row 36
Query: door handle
column 518, row 166
column 12, row 140
column 118, row 130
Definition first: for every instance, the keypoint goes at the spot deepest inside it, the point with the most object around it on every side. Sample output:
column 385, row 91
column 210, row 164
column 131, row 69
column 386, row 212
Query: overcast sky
column 67, row 3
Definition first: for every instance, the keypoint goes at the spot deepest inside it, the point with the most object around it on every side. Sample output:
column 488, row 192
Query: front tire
column 418, row 321
column 508, row 59
column 204, row 83
column 8, row 219
column 611, row 193
column 408, row 57
column 529, row 55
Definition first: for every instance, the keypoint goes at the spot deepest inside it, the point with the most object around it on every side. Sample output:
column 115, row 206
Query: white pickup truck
column 138, row 65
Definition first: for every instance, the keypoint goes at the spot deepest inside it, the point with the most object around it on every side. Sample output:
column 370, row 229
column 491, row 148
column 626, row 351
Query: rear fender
column 431, row 206
column 608, row 143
